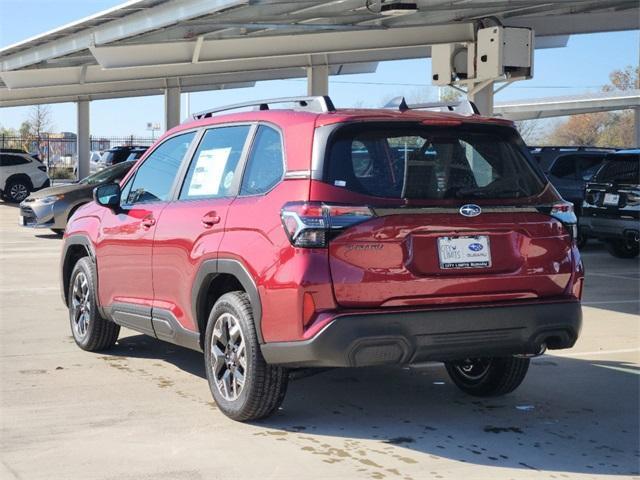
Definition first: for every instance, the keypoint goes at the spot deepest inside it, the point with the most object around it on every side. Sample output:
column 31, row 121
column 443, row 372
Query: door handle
column 148, row 222
column 209, row 219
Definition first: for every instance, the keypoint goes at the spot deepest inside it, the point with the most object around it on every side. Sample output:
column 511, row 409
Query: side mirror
column 107, row 195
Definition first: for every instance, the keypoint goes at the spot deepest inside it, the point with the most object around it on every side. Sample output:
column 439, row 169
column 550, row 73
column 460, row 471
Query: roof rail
column 462, row 107
column 319, row 104
column 568, row 148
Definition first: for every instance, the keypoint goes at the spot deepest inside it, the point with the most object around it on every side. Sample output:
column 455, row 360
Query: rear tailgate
column 454, row 217
column 401, row 259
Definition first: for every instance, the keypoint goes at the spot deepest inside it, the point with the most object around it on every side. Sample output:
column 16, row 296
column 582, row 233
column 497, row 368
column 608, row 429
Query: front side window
column 620, row 168
column 265, row 165
column 154, row 179
column 429, row 163
column 213, row 169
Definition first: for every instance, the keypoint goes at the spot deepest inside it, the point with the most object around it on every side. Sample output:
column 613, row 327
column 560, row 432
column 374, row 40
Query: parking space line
column 604, row 302
column 629, row 276
column 597, row 352
column 619, row 369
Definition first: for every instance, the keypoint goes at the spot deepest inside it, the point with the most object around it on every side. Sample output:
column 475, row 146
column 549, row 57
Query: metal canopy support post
column 482, row 95
column 636, row 126
column 318, row 80
column 171, row 107
column 84, row 146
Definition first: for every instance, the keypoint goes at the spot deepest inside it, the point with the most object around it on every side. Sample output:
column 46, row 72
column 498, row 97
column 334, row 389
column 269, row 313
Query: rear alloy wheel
column 487, row 377
column 243, row 385
column 17, row 190
column 90, row 331
column 623, row 248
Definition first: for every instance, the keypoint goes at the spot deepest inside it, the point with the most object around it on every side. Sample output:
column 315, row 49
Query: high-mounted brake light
column 310, row 224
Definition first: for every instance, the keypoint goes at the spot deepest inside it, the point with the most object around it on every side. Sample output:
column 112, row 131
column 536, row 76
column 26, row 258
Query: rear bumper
column 398, row 338
column 607, row 227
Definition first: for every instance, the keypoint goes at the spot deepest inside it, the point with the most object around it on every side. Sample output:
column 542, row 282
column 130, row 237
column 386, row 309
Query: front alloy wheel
column 80, row 306
column 90, row 330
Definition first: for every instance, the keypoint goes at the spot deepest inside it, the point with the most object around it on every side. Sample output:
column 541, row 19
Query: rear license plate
column 464, row 252
column 611, row 199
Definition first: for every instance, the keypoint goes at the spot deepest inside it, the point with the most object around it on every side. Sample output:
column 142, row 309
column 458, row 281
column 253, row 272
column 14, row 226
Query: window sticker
column 207, row 174
column 340, row 183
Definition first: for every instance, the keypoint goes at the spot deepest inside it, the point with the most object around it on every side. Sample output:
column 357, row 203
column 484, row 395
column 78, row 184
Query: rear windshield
column 620, row 169
column 428, row 162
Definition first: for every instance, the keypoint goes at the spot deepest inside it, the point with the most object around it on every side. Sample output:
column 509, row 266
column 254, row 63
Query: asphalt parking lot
column 143, row 410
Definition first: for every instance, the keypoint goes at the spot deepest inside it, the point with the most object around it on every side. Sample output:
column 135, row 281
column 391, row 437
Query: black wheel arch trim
column 207, row 272
column 66, row 268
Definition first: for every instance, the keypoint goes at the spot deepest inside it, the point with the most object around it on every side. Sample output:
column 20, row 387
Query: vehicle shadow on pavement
column 49, row 236
column 569, row 415
column 143, row 346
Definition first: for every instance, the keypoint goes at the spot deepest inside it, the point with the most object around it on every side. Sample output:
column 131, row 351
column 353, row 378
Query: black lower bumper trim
column 410, row 337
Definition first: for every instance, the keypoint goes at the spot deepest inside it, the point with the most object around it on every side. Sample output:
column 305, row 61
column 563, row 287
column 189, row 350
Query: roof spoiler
column 461, row 107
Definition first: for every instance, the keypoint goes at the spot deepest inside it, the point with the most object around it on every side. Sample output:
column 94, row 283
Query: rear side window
column 418, row 162
column 265, row 166
column 154, row 179
column 213, row 169
column 620, row 169
column 12, row 160
column 565, row 167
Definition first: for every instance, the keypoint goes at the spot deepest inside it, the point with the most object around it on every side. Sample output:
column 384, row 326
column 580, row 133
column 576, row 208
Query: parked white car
column 20, row 174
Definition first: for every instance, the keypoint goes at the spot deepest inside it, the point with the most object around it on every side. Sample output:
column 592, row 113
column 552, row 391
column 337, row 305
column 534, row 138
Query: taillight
column 563, row 211
column 311, row 224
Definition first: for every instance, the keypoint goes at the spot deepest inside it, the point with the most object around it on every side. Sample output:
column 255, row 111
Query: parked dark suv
column 279, row 239
column 120, row 154
column 569, row 169
column 611, row 210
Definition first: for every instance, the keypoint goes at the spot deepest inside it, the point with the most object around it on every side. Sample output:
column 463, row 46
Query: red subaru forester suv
column 278, row 239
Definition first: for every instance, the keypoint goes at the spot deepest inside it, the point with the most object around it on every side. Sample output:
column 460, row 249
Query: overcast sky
column 581, row 67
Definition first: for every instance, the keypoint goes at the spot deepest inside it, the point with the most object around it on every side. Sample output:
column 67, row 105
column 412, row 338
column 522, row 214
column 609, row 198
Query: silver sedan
column 53, row 206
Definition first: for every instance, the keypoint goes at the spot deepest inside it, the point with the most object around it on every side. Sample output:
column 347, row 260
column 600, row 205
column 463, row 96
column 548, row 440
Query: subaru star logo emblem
column 470, row 210
column 475, row 247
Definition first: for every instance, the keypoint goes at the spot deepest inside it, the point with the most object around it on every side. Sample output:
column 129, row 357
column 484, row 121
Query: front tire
column 243, row 385
column 623, row 248
column 488, row 377
column 90, row 331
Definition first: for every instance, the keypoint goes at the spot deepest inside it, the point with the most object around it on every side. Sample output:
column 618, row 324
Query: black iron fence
column 59, row 152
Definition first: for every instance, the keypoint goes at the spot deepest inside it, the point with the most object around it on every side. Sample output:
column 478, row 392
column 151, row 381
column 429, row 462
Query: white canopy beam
column 278, row 47
column 569, row 105
column 133, row 24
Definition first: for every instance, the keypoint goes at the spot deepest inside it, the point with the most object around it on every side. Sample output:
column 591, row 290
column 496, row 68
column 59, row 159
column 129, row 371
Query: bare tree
column 40, row 120
column 530, row 131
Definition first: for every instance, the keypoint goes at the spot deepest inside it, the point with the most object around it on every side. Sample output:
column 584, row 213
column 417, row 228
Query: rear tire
column 623, row 248
column 90, row 331
column 582, row 240
column 17, row 190
column 243, row 385
column 488, row 377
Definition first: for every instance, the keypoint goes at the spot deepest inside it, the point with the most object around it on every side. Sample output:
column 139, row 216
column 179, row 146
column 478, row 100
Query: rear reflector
column 309, row 224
